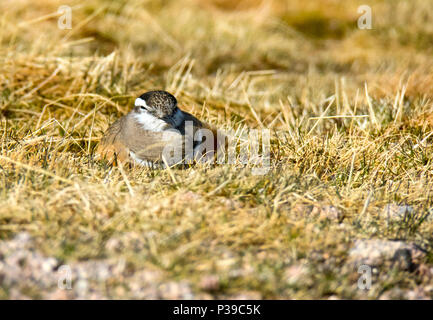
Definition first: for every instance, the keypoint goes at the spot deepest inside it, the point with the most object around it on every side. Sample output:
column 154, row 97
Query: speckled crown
column 159, row 103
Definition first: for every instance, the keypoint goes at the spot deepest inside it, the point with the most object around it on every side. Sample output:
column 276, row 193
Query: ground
column 345, row 210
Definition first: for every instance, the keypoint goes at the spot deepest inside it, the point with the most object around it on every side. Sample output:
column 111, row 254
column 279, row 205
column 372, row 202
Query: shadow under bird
column 153, row 126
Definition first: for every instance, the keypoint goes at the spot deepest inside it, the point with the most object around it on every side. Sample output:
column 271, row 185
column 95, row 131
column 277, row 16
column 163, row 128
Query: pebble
column 295, row 273
column 22, row 267
column 375, row 252
column 330, row 212
column 210, row 283
column 395, row 212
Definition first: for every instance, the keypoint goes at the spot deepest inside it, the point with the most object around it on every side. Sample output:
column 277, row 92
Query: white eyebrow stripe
column 140, row 103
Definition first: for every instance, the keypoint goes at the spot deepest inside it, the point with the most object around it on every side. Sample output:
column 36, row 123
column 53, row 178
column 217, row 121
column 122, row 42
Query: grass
column 349, row 110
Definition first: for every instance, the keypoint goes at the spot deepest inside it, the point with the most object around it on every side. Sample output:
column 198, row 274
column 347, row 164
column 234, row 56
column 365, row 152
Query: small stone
column 231, row 204
column 23, row 238
column 176, row 291
column 49, row 264
column 210, row 283
column 402, row 259
column 190, row 196
column 425, row 271
column 128, row 240
column 301, row 210
column 294, row 274
column 144, row 277
column 16, row 294
column 114, row 244
column 331, row 213
column 225, row 264
column 417, row 294
column 393, row 294
column 395, row 212
column 81, row 288
column 148, row 292
column 246, row 295
column 376, row 252
column 241, row 272
column 59, row 294
column 204, row 296
column 27, row 274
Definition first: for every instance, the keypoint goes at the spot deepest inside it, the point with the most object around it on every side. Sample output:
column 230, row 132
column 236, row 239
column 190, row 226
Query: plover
column 153, row 126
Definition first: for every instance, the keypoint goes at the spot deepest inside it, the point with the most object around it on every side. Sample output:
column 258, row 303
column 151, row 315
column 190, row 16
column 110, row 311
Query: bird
column 154, row 125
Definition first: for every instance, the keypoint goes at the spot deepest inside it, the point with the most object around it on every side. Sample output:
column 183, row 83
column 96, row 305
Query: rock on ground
column 376, row 252
column 26, row 273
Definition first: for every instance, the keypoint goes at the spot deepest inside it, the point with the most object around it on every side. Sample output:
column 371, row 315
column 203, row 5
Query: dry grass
column 272, row 64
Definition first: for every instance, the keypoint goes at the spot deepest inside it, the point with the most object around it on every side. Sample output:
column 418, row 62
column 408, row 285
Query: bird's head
column 159, row 104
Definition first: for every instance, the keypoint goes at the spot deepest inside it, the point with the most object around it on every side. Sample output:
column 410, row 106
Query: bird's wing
column 111, row 146
column 151, row 146
column 219, row 141
column 126, row 135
